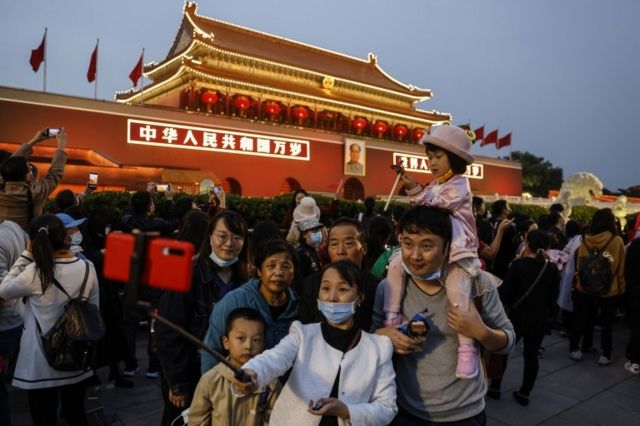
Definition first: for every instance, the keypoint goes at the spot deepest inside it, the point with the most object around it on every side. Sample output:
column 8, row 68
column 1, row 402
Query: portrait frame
column 360, row 167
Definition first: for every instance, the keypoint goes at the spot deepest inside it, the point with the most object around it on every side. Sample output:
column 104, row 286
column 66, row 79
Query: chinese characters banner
column 216, row 140
column 420, row 164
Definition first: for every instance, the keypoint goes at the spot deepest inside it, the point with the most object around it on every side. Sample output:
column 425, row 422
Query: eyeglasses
column 225, row 238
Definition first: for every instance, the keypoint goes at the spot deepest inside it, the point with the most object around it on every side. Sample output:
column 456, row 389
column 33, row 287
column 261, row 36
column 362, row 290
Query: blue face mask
column 316, row 238
column 337, row 313
column 221, row 262
column 431, row 276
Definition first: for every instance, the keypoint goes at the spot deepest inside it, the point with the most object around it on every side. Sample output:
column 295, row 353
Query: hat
column 68, row 221
column 306, row 225
column 307, row 209
column 452, row 139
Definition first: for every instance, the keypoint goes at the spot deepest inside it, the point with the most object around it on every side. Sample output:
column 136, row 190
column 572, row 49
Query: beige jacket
column 214, row 404
column 616, row 249
column 13, row 200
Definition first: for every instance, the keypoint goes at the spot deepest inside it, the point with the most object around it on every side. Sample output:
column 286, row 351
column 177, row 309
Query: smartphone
column 52, row 131
column 93, row 180
column 163, row 187
column 216, row 189
column 168, row 263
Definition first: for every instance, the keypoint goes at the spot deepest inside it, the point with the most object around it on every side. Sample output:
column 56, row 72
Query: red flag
column 136, row 72
column 37, row 55
column 479, row 133
column 491, row 138
column 93, row 65
column 505, row 141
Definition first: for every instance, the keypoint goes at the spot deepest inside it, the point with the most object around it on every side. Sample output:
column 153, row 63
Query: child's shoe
column 393, row 319
column 467, row 367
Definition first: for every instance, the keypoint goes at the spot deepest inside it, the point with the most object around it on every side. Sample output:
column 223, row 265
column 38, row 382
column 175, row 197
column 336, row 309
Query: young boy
column 213, row 402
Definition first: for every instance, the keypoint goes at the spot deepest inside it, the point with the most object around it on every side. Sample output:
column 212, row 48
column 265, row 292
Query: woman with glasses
column 270, row 294
column 220, row 267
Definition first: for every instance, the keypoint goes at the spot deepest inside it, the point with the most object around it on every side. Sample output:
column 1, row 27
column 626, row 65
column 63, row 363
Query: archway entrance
column 289, row 185
column 353, row 189
column 231, row 186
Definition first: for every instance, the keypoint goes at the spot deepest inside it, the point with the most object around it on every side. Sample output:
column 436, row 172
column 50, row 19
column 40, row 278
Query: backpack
column 70, row 345
column 594, row 270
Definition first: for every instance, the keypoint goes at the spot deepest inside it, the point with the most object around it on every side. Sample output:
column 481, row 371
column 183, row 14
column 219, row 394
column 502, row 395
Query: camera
column 52, row 131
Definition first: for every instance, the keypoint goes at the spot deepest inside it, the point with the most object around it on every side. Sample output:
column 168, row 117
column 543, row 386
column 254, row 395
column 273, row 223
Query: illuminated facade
column 256, row 112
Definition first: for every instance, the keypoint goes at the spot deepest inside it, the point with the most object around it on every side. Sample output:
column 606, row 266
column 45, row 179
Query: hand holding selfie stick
column 131, row 302
column 393, row 191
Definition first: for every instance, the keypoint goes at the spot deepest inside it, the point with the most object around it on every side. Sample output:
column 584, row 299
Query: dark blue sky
column 561, row 75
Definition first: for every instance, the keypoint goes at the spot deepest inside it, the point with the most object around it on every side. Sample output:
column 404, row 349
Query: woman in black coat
column 529, row 307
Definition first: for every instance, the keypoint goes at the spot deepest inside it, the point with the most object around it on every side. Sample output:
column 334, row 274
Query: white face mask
column 76, row 239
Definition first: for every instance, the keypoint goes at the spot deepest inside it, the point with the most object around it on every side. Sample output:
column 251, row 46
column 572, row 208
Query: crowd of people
column 371, row 320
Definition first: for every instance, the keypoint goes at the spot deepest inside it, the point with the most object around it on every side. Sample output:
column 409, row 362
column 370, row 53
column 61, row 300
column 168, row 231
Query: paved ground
column 566, row 393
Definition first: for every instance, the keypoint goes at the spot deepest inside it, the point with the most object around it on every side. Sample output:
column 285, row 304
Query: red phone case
column 168, row 263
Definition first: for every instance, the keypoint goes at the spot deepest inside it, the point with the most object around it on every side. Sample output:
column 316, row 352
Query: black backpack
column 594, row 270
column 70, row 345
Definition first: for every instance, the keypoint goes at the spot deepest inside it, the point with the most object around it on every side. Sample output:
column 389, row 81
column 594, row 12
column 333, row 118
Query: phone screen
column 162, row 188
column 52, row 131
column 93, row 180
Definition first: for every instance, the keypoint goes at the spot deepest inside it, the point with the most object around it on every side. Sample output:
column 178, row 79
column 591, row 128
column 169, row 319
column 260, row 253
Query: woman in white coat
column 340, row 375
column 46, row 258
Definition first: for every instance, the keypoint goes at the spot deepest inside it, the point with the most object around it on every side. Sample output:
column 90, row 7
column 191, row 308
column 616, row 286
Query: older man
column 429, row 392
column 346, row 242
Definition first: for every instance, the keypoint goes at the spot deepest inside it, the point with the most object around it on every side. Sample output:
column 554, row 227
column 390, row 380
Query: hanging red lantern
column 300, row 112
column 272, row 108
column 359, row 123
column 242, row 103
column 380, row 127
column 209, row 98
column 418, row 134
column 400, row 131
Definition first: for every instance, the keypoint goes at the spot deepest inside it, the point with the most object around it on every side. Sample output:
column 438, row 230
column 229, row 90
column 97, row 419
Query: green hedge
column 256, row 209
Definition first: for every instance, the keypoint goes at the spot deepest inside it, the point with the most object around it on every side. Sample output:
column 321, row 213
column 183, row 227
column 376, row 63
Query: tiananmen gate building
column 258, row 113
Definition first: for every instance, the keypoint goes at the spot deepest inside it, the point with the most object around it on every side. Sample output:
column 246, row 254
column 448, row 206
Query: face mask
column 337, row 313
column 316, row 238
column 221, row 262
column 76, row 239
column 431, row 276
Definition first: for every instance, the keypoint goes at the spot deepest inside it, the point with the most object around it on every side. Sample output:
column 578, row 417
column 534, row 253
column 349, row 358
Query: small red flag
column 505, row 141
column 491, row 138
column 37, row 55
column 93, row 65
column 479, row 133
column 136, row 72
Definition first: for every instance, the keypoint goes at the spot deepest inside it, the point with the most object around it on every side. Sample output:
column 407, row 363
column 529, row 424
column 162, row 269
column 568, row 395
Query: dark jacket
column 308, row 261
column 532, row 316
column 130, row 221
column 308, row 294
column 191, row 310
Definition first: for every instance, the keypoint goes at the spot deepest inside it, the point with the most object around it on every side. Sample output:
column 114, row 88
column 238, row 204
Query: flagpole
column 142, row 79
column 44, row 76
column 95, row 89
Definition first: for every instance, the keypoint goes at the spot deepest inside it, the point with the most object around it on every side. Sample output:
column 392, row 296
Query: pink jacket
column 454, row 195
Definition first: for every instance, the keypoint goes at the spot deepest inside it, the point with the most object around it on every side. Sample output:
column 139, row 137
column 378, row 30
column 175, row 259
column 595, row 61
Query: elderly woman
column 270, row 294
column 219, row 268
column 329, row 382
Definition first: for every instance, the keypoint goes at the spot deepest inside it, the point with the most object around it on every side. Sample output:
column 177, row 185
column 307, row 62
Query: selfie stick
column 131, row 301
column 393, row 191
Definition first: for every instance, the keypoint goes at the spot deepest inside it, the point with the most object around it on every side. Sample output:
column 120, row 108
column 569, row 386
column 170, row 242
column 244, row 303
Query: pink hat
column 452, row 139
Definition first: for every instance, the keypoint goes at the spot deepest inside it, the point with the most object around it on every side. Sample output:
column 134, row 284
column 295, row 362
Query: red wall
column 102, row 126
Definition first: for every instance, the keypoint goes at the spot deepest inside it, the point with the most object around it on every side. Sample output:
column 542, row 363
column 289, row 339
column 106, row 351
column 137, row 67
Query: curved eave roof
column 316, row 95
column 261, row 45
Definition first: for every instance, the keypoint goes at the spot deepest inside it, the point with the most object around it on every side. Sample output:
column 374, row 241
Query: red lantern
column 400, row 131
column 359, row 123
column 300, row 112
column 418, row 134
column 272, row 108
column 209, row 98
column 242, row 103
column 380, row 127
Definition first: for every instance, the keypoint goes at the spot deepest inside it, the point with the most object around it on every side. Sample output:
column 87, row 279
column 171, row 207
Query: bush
column 582, row 214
